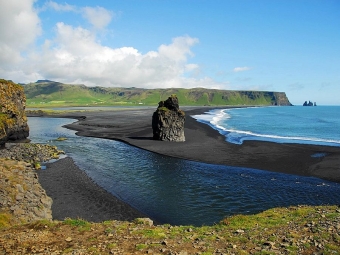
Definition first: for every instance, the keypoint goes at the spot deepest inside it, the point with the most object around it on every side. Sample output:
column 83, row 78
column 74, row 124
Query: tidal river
column 177, row 191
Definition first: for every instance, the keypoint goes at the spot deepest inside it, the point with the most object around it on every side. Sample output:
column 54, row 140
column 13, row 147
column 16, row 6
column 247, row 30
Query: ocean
column 183, row 192
column 299, row 124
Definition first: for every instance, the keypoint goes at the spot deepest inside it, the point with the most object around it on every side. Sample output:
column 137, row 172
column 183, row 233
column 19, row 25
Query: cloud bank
column 75, row 55
column 241, row 69
column 19, row 27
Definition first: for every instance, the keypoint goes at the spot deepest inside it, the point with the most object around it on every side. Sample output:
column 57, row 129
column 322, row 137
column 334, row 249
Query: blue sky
column 277, row 45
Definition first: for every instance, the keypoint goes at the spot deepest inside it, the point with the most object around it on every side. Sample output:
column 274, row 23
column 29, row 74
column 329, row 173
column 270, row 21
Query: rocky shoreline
column 26, row 192
column 30, row 153
column 22, row 199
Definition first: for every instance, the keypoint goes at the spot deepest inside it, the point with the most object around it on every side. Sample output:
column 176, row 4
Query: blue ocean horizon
column 282, row 124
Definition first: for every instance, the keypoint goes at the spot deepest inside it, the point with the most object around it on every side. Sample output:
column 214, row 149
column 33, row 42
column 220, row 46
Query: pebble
column 69, row 239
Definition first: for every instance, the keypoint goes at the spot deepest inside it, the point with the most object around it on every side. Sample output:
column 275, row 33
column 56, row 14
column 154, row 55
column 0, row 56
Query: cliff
column 13, row 120
column 168, row 121
column 50, row 93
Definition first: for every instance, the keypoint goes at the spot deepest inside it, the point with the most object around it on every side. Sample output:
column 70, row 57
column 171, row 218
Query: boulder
column 168, row 121
column 13, row 120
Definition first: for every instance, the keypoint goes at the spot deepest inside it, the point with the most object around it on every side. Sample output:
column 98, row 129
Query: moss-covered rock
column 13, row 120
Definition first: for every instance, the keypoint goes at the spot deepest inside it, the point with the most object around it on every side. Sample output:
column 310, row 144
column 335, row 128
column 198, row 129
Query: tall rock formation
column 13, row 120
column 168, row 121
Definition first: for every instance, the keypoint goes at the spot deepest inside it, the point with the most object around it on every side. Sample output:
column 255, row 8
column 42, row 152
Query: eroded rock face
column 22, row 196
column 13, row 120
column 168, row 121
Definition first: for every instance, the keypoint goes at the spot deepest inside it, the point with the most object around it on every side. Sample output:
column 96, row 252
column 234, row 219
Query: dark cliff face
column 168, row 121
column 13, row 120
column 280, row 98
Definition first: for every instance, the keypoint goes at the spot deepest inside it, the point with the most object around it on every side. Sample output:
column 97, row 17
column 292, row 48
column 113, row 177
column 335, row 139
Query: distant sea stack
column 13, row 120
column 309, row 103
column 168, row 121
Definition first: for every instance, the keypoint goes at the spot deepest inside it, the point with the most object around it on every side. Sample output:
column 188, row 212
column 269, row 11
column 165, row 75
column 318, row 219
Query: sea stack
column 168, row 121
column 13, row 120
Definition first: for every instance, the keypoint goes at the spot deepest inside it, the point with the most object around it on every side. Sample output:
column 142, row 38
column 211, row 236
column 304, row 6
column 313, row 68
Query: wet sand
column 75, row 195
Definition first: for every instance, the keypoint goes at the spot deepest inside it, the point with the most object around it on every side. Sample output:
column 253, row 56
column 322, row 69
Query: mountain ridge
column 45, row 92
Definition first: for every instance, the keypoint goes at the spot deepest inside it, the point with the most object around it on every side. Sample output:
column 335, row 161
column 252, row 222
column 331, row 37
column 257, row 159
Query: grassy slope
column 293, row 230
column 57, row 94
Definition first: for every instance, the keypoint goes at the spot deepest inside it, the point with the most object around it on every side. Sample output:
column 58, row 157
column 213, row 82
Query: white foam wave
column 214, row 117
column 277, row 137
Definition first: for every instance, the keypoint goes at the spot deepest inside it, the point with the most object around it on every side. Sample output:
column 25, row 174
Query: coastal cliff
column 50, row 93
column 13, row 120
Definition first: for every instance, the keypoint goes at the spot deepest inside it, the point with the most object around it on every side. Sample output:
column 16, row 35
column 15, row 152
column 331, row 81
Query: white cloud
column 19, row 27
column 74, row 54
column 179, row 49
column 99, row 17
column 60, row 7
column 241, row 69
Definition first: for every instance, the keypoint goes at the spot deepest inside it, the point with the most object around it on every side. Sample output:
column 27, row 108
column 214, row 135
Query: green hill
column 50, row 93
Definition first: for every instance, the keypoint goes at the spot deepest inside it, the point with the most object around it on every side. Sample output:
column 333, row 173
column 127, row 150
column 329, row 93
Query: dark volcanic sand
column 205, row 144
column 75, row 195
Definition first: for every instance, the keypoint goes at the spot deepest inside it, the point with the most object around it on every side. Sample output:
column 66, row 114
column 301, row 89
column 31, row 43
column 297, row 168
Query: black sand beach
column 76, row 196
column 205, row 144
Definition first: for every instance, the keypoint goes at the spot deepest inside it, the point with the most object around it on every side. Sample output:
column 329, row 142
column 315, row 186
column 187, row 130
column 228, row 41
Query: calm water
column 178, row 191
column 298, row 124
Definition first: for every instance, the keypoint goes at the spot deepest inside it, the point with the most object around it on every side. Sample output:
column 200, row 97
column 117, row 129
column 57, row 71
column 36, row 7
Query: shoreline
column 75, row 195
column 205, row 144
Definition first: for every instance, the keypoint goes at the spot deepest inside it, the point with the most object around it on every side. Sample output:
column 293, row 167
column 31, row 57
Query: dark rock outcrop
column 13, row 120
column 22, row 198
column 168, row 121
column 279, row 98
column 309, row 103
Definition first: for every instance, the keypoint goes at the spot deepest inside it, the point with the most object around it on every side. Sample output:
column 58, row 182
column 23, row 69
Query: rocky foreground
column 22, row 199
column 295, row 230
column 26, row 226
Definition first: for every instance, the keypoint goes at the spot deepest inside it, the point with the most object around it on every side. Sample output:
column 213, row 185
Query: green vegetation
column 61, row 139
column 163, row 108
column 11, row 83
column 54, row 94
column 82, row 225
column 3, row 120
column 5, row 219
column 291, row 230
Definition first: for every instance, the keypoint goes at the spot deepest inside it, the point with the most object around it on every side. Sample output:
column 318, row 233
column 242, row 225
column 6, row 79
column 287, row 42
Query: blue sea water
column 177, row 191
column 298, row 124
